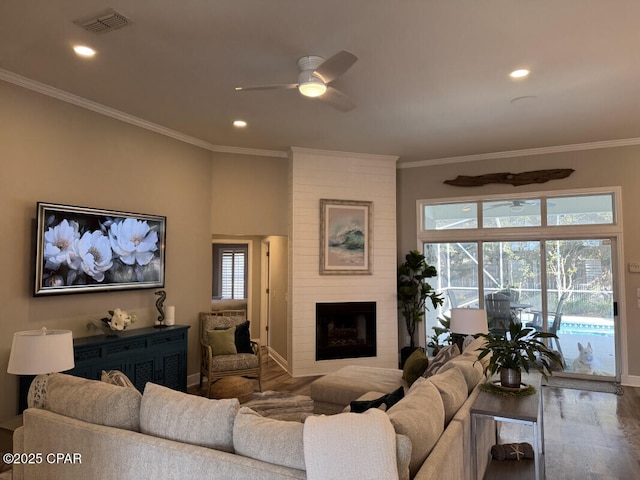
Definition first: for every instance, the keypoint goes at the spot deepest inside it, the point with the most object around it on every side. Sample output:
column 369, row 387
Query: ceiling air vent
column 104, row 22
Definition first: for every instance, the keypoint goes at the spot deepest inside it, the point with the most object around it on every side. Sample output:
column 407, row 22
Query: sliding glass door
column 580, row 304
column 574, row 299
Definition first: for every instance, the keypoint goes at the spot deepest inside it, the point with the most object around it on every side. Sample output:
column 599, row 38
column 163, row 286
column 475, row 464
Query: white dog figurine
column 584, row 361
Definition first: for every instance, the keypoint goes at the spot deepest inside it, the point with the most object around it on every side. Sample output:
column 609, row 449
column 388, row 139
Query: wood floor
column 588, row 435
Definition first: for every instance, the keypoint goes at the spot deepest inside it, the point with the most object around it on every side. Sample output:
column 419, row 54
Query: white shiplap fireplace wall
column 313, row 175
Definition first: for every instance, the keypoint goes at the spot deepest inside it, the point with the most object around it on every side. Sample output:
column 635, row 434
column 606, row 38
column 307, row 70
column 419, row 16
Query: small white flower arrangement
column 119, row 320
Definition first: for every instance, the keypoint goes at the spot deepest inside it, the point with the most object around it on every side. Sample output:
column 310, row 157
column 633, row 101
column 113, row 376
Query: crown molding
column 58, row 94
column 336, row 153
column 625, row 142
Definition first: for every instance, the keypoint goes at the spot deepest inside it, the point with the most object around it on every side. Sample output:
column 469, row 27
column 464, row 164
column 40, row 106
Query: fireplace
column 345, row 330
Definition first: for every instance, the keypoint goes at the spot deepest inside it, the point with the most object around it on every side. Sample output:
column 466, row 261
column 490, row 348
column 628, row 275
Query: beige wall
column 278, row 294
column 249, row 195
column 56, row 152
column 593, row 168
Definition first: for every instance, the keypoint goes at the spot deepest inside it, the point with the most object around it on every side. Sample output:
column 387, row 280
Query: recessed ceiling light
column 520, row 73
column 84, row 51
column 239, row 123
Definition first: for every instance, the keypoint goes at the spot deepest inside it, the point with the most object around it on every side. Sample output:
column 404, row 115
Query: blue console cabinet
column 157, row 355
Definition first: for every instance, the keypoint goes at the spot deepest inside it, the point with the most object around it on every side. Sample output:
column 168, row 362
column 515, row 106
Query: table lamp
column 35, row 352
column 467, row 321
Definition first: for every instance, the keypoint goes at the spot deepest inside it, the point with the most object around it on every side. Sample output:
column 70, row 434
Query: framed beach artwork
column 80, row 250
column 345, row 237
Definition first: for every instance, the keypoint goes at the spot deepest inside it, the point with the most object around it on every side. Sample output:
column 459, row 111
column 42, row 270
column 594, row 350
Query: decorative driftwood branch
column 515, row 179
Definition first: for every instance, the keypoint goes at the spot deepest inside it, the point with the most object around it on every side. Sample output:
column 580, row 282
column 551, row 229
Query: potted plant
column 441, row 334
column 515, row 349
column 414, row 291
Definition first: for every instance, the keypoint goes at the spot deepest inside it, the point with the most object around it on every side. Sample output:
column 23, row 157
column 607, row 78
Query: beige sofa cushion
column 274, row 441
column 453, row 390
column 471, row 369
column 419, row 416
column 174, row 415
column 94, row 402
column 473, row 350
column 350, row 382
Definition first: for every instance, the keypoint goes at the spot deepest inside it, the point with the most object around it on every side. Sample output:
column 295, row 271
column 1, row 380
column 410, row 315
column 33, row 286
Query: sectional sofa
column 90, row 429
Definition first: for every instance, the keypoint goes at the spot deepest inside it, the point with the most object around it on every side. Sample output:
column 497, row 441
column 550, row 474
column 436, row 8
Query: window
column 519, row 212
column 230, row 271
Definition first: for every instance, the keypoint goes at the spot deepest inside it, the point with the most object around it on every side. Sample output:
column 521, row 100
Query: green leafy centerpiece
column 515, row 349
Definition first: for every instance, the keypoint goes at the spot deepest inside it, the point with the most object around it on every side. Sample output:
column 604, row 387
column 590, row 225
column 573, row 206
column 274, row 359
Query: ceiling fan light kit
column 309, row 85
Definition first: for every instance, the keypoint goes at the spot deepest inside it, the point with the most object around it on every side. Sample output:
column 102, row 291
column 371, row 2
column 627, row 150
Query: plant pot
column 510, row 378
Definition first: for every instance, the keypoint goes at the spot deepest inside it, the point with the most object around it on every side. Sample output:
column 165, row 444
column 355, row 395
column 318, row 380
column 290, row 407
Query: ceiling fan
column 316, row 74
column 514, row 205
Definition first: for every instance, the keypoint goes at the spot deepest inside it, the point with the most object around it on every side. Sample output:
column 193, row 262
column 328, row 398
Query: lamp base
column 458, row 339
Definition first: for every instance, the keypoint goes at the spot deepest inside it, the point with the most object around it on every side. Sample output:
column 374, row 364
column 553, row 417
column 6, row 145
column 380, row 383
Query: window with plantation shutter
column 230, row 271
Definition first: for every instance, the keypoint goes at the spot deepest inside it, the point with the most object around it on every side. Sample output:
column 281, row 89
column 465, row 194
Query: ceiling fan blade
column 337, row 100
column 279, row 86
column 335, row 66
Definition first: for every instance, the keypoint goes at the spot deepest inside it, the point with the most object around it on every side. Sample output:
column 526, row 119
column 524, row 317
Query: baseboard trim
column 630, row 381
column 279, row 359
column 193, row 379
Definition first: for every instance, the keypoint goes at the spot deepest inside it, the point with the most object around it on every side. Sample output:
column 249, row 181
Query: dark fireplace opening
column 345, row 330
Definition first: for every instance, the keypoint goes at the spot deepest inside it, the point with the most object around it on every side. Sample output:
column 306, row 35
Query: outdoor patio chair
column 553, row 323
column 213, row 366
column 499, row 313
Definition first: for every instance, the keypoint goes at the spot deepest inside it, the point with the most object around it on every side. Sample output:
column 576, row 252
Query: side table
column 527, row 410
column 6, row 437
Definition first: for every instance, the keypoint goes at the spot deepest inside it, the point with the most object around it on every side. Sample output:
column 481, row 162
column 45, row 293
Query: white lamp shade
column 468, row 321
column 36, row 352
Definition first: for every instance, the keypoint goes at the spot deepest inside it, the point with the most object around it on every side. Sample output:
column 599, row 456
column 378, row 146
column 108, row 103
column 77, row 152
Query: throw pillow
column 267, row 439
column 243, row 338
column 116, row 377
column 444, row 355
column 37, row 396
column 222, row 342
column 415, row 366
column 389, row 400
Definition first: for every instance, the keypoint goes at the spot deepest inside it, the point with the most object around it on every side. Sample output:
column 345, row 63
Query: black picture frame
column 81, row 250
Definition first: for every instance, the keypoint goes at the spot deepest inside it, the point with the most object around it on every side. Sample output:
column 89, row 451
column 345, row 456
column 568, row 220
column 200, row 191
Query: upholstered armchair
column 215, row 366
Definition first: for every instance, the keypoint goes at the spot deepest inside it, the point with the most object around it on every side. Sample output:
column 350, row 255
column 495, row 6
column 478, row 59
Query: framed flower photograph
column 345, row 237
column 80, row 250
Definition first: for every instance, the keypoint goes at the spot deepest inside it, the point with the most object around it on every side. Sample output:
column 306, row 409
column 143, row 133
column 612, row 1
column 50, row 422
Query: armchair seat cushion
column 240, row 361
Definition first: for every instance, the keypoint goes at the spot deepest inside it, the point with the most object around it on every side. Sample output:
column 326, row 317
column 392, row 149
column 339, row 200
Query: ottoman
column 336, row 390
column 233, row 387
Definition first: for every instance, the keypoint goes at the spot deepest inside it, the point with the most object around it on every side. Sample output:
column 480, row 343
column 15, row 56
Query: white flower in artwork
column 60, row 245
column 94, row 250
column 133, row 241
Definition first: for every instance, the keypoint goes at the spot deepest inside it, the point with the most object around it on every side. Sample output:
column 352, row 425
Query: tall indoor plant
column 515, row 349
column 414, row 291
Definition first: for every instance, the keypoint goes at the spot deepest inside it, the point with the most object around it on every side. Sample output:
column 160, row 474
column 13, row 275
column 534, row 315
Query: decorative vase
column 510, row 378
